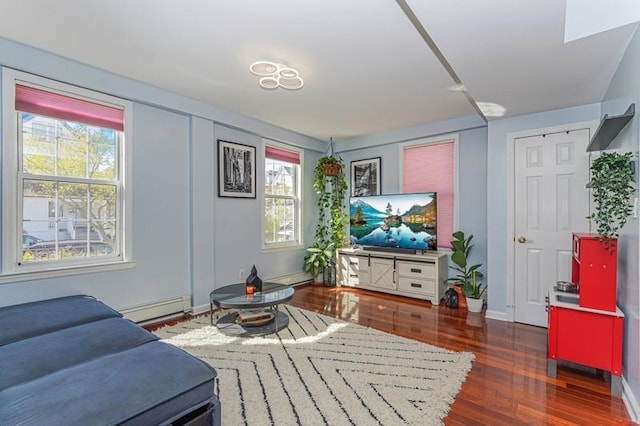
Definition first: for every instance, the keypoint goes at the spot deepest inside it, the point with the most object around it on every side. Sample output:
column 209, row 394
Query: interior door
column 551, row 202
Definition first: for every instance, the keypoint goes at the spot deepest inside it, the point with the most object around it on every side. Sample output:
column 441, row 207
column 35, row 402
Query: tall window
column 281, row 196
column 64, row 172
column 430, row 166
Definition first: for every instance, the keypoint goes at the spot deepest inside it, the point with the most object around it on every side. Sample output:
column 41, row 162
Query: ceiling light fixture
column 276, row 75
column 490, row 109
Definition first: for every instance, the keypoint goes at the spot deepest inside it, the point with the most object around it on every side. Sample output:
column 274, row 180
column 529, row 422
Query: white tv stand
column 420, row 276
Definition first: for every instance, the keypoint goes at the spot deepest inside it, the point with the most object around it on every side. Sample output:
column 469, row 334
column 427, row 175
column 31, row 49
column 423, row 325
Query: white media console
column 420, row 276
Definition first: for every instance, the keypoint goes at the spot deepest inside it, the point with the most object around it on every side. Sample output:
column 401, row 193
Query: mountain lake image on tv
column 396, row 221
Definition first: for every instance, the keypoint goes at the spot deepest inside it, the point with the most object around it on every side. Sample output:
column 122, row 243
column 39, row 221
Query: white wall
column 624, row 90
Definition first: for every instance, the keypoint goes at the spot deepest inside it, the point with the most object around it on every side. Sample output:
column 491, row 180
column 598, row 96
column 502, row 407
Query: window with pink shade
column 431, row 168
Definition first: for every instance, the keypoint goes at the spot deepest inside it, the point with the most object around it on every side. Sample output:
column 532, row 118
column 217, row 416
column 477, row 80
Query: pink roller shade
column 430, row 168
column 282, row 155
column 41, row 102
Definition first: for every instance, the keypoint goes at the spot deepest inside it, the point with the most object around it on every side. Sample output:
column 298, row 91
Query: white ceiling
column 366, row 68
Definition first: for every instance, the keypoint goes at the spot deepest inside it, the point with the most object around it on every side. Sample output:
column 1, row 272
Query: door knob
column 522, row 239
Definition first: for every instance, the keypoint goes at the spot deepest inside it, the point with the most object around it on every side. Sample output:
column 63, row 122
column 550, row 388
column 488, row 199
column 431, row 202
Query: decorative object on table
column 612, row 177
column 324, row 392
column 236, row 170
column 366, row 177
column 254, row 281
column 461, row 249
column 331, row 191
column 450, row 298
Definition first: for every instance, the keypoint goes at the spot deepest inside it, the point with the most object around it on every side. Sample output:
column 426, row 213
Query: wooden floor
column 507, row 385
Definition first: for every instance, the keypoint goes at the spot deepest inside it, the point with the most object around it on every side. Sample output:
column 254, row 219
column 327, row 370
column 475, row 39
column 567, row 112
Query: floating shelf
column 609, row 128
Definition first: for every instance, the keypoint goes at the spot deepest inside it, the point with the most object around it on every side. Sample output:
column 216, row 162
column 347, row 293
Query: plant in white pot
column 474, row 292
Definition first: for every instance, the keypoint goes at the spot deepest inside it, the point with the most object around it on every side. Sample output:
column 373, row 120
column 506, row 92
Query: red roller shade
column 282, row 155
column 430, row 168
column 54, row 105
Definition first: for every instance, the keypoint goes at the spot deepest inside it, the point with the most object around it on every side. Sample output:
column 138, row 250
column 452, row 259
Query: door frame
column 591, row 125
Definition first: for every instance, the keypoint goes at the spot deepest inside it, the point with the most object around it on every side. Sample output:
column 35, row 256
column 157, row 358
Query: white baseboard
column 160, row 309
column 292, row 279
column 630, row 401
column 496, row 315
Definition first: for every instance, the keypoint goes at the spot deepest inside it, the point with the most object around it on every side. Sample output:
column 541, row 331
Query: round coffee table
column 234, row 296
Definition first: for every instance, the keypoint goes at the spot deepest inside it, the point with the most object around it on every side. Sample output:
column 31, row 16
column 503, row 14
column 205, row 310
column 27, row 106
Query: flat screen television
column 403, row 222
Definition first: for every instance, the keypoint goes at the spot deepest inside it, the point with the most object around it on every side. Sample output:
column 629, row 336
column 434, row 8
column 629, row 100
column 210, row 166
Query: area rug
column 325, row 371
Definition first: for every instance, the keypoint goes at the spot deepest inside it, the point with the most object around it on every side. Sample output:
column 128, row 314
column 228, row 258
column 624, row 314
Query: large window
column 282, row 173
column 430, row 165
column 64, row 172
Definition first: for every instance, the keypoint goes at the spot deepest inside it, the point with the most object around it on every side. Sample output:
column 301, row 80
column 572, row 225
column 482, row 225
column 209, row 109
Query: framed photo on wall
column 365, row 177
column 236, row 170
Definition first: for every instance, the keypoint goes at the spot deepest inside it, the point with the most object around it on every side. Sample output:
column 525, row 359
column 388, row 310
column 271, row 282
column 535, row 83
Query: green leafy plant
column 461, row 248
column 474, row 289
column 318, row 258
column 612, row 183
column 331, row 191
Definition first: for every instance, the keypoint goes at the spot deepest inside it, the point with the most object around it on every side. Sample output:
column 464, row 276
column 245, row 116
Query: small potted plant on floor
column 474, row 292
column 317, row 259
column 461, row 248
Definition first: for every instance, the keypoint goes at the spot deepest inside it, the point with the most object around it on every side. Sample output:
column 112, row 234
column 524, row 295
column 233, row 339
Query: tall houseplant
column 466, row 274
column 330, row 186
column 612, row 184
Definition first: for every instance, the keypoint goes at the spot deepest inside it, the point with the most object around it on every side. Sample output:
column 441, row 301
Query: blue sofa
column 74, row 360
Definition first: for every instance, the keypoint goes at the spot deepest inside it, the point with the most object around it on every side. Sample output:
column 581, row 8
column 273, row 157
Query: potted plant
column 612, row 184
column 473, row 291
column 331, row 190
column 460, row 249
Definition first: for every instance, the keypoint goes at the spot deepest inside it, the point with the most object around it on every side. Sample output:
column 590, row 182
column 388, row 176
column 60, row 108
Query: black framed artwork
column 236, row 170
column 365, row 177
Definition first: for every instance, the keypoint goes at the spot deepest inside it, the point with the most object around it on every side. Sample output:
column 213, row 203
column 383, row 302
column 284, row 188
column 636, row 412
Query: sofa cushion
column 144, row 385
column 38, row 356
column 36, row 318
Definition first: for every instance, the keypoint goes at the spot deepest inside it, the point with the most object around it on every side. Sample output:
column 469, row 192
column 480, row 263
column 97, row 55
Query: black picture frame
column 366, row 176
column 236, row 170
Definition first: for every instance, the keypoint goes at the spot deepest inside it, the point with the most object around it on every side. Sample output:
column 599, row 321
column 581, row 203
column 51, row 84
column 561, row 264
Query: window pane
column 38, row 149
column 279, row 220
column 102, row 153
column 103, row 213
column 280, row 177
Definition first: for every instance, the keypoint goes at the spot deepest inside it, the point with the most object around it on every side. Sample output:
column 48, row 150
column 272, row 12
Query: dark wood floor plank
column 508, row 383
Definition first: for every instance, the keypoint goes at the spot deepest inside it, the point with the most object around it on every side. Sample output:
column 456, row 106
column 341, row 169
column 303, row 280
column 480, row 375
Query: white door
column 551, row 202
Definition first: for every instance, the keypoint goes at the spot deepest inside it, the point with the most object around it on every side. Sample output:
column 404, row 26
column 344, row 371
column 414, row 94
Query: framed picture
column 365, row 177
column 236, row 170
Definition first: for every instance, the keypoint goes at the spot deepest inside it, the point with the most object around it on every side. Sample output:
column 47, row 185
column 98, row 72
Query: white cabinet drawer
column 417, row 270
column 427, row 287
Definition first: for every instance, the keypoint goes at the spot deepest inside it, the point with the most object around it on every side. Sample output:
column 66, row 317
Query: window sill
column 281, row 248
column 65, row 272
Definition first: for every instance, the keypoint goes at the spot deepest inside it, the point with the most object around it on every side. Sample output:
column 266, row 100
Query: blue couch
column 74, row 360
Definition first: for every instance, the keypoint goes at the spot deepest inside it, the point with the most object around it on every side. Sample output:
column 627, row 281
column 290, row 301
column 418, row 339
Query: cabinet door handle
column 353, row 263
column 416, row 285
column 419, row 271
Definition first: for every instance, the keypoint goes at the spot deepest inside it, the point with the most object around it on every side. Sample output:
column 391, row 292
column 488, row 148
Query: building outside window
column 64, row 171
column 281, row 222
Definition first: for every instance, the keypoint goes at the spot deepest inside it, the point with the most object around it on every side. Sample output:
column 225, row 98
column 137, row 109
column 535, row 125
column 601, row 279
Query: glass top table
column 234, row 296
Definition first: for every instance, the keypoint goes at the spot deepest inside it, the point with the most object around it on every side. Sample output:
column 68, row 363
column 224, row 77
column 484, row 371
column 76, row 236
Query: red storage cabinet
column 593, row 269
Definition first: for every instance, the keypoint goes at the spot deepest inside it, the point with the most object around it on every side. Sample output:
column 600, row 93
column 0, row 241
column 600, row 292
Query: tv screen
column 396, row 221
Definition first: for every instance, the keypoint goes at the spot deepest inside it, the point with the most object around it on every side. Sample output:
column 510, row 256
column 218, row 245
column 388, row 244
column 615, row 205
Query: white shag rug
column 325, row 371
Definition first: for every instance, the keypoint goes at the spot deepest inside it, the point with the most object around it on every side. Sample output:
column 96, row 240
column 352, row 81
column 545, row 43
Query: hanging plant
column 612, row 183
column 331, row 190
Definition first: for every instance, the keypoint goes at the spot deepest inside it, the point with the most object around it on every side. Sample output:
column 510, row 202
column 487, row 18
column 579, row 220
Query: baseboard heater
column 293, row 279
column 164, row 308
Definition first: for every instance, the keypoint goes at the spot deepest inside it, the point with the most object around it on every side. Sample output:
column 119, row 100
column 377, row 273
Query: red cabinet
column 593, row 268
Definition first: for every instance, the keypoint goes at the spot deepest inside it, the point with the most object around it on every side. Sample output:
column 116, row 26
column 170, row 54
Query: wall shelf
column 609, row 128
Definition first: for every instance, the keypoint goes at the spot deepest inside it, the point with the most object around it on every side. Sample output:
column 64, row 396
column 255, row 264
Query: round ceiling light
column 269, row 83
column 264, row 68
column 291, row 83
column 274, row 75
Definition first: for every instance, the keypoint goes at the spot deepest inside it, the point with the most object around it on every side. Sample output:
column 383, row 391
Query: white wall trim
column 511, row 139
column 497, row 315
column 159, row 309
column 633, row 408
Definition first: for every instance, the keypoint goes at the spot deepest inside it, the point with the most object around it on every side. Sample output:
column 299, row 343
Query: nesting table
column 234, row 296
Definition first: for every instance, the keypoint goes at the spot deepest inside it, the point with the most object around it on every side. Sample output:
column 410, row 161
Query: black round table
column 235, row 296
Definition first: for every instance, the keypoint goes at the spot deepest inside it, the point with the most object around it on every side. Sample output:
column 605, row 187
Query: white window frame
column 296, row 243
column 12, row 268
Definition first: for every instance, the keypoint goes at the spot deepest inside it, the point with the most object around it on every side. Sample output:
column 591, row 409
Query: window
column 281, row 196
column 430, row 165
column 64, row 202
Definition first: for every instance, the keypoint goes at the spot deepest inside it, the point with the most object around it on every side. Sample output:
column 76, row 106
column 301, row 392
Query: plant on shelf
column 612, row 179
